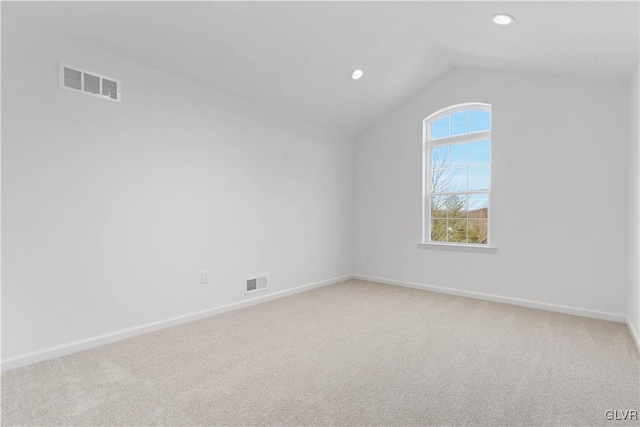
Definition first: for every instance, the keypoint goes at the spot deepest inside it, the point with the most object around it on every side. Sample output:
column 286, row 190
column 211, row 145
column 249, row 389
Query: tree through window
column 457, row 174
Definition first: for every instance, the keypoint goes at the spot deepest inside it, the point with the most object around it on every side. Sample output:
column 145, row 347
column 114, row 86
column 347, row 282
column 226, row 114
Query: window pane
column 478, row 206
column 480, row 120
column 458, row 155
column 477, row 231
column 479, row 178
column 440, row 128
column 438, row 206
column 458, row 180
column 439, row 180
column 456, row 206
column 457, row 230
column 439, row 230
column 460, row 123
column 479, row 153
column 439, row 157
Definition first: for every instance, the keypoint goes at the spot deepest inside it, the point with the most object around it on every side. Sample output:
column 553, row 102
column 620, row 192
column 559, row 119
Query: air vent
column 89, row 83
column 255, row 284
column 110, row 89
column 72, row 79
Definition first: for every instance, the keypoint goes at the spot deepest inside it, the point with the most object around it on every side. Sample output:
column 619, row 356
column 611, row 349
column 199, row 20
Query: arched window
column 457, row 175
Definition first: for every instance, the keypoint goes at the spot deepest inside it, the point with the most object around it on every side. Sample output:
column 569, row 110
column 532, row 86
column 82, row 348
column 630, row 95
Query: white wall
column 633, row 298
column 559, row 201
column 110, row 211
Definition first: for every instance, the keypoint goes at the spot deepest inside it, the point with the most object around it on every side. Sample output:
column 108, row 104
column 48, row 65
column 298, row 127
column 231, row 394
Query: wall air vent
column 255, row 284
column 88, row 83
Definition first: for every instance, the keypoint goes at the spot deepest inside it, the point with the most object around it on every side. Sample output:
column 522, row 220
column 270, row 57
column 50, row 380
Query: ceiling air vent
column 89, row 83
column 255, row 284
column 110, row 89
column 72, row 79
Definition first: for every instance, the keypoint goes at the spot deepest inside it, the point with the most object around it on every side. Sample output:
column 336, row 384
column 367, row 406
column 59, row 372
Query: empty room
column 320, row 213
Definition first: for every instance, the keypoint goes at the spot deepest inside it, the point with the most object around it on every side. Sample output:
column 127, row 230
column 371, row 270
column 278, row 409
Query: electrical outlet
column 204, row 277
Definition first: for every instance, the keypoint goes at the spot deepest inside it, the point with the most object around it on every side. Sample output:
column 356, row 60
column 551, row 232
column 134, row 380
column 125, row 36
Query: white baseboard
column 506, row 300
column 634, row 334
column 74, row 347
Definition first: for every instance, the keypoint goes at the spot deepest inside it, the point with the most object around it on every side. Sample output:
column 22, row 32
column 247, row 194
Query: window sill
column 457, row 247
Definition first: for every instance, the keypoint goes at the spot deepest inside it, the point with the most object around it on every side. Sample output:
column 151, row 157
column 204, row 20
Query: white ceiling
column 297, row 57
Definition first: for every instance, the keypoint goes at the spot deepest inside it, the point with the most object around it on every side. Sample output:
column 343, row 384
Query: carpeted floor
column 355, row 353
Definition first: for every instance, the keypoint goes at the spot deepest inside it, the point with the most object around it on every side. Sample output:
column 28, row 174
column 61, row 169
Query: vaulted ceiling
column 297, row 57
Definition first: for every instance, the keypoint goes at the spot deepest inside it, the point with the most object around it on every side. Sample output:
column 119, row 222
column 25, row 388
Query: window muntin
column 457, row 171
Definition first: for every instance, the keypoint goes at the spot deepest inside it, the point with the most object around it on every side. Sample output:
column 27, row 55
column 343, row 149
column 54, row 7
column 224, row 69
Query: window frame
column 470, row 137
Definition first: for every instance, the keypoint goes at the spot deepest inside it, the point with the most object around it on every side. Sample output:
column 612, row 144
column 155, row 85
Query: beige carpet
column 355, row 353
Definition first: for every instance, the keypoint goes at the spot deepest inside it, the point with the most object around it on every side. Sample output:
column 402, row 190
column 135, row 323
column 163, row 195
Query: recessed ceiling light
column 356, row 74
column 502, row 19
